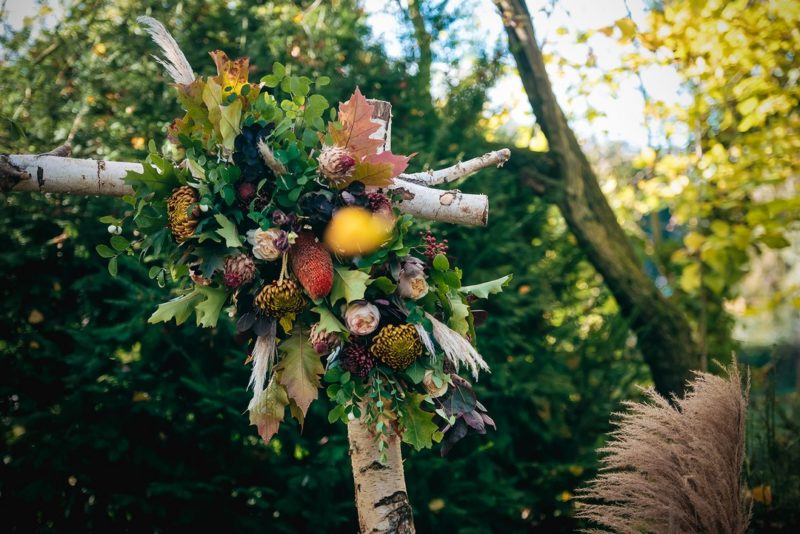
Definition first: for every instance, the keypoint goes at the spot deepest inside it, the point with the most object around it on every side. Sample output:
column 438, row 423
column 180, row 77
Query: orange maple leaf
column 355, row 115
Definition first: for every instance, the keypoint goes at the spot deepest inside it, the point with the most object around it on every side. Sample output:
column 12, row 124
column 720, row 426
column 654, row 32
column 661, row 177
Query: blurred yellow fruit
column 355, row 231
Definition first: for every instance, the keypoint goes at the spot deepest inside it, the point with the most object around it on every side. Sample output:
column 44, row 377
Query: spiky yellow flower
column 397, row 346
column 280, row 298
column 182, row 212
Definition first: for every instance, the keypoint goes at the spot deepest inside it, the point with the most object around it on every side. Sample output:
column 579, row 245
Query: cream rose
column 266, row 243
column 411, row 284
column 362, row 318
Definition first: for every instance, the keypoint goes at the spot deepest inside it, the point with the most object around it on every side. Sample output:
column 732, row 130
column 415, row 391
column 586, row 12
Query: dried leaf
column 267, row 410
column 300, row 369
column 355, row 116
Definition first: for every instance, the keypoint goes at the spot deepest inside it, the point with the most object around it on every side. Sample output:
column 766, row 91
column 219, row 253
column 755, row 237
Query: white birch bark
column 51, row 174
column 381, row 497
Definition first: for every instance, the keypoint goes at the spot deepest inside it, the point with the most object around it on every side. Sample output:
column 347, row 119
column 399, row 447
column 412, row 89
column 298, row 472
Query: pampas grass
column 264, row 351
column 674, row 468
column 174, row 61
column 456, row 348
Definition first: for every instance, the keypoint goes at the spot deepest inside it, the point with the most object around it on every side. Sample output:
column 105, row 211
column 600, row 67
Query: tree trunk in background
column 381, row 497
column 664, row 335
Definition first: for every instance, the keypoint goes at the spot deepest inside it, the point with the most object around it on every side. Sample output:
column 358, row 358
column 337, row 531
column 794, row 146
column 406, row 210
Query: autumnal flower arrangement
column 285, row 218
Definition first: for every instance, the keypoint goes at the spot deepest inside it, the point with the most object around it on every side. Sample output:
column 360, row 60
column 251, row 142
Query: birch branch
column 51, row 174
column 451, row 206
column 460, row 170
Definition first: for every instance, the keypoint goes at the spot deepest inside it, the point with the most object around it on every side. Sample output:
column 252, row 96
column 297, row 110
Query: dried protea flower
column 183, row 212
column 267, row 243
column 380, row 204
column 336, row 164
column 397, row 346
column 362, row 318
column 280, row 298
column 324, row 342
column 312, row 265
column 238, row 270
column 357, row 360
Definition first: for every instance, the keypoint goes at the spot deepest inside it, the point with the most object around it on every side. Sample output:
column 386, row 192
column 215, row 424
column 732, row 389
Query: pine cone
column 182, row 212
column 280, row 298
column 336, row 164
column 239, row 270
column 357, row 361
column 397, row 346
column 312, row 265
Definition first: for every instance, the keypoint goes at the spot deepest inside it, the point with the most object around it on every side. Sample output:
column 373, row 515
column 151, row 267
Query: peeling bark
column 380, row 489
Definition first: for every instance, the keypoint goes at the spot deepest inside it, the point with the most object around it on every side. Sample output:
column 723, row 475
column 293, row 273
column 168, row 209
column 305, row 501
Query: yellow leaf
column 606, row 30
column 35, row 317
column 762, row 494
column 690, row 278
column 627, row 27
column 693, row 241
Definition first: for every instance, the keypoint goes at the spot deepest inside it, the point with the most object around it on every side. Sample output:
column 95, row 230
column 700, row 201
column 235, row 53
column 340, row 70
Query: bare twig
column 459, row 170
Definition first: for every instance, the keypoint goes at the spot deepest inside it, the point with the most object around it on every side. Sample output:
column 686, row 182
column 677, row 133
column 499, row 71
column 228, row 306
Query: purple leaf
column 488, row 420
column 461, row 398
column 455, row 435
column 245, row 322
column 475, row 421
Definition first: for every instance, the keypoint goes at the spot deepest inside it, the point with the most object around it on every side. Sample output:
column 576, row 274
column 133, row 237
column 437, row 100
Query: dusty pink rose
column 362, row 318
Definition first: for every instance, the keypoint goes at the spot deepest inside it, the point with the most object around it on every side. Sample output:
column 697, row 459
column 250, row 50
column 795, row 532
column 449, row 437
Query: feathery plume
column 269, row 159
column 263, row 359
column 456, row 348
column 427, row 342
column 674, row 468
column 173, row 61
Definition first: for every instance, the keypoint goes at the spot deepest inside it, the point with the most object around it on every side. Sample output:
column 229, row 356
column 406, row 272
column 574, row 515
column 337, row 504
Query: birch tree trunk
column 381, row 497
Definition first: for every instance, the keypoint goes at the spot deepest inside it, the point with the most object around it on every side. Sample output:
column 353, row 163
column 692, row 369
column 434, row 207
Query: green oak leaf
column 348, row 284
column 268, row 410
column 328, row 321
column 208, row 311
column 458, row 319
column 418, row 425
column 485, row 289
column 179, row 308
column 300, row 369
column 150, row 180
column 228, row 231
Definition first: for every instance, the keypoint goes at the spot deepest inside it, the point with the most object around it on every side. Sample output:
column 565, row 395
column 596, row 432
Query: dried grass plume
column 674, row 468
column 174, row 61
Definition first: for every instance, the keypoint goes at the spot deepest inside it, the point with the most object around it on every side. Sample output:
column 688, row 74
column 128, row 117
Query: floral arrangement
column 285, row 218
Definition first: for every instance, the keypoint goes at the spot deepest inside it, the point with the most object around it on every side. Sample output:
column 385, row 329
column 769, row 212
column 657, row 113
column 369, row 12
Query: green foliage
column 113, row 424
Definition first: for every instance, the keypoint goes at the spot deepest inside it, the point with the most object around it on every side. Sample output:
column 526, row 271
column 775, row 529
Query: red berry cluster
column 432, row 247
